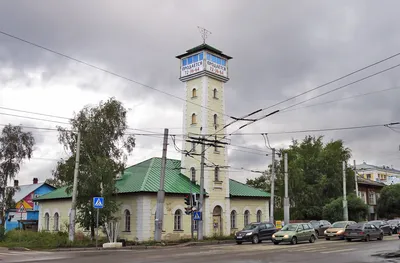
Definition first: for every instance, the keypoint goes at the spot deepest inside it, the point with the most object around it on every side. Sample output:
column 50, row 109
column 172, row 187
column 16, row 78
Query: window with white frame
column 193, row 174
column 56, row 222
column 246, row 217
column 127, row 216
column 233, row 219
column 371, row 198
column 215, row 93
column 46, row 221
column 216, row 174
column 178, row 220
column 259, row 215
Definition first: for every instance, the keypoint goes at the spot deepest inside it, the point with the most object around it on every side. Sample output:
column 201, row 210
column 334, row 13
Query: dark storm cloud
column 280, row 49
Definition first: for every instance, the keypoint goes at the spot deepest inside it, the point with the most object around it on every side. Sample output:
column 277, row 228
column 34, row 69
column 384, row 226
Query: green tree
column 315, row 176
column 104, row 150
column 357, row 209
column 15, row 146
column 388, row 204
column 262, row 182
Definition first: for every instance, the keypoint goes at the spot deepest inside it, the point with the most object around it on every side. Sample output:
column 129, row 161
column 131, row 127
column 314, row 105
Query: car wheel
column 293, row 241
column 239, row 242
column 348, row 239
column 380, row 237
column 312, row 239
column 255, row 239
column 276, row 243
column 366, row 239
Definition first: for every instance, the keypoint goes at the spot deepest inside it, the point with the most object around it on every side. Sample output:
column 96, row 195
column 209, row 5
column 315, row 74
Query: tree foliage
column 15, row 146
column 315, row 176
column 103, row 154
column 388, row 204
column 357, row 209
column 262, row 182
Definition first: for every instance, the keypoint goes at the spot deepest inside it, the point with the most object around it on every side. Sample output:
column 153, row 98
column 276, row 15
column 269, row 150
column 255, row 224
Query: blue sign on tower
column 197, row 216
column 98, row 202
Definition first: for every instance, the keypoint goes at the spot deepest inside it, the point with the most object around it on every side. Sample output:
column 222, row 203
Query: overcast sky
column 279, row 50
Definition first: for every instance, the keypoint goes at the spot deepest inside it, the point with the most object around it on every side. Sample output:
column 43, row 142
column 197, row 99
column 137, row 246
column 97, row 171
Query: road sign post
column 98, row 203
column 21, row 210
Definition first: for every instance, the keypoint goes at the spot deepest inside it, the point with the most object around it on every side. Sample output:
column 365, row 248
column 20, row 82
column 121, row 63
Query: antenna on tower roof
column 204, row 33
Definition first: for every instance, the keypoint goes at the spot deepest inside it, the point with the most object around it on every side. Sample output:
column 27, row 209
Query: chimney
column 35, row 180
column 15, row 183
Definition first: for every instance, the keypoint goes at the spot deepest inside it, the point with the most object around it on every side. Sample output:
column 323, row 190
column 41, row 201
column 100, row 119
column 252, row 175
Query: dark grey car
column 320, row 226
column 363, row 231
column 387, row 229
column 255, row 233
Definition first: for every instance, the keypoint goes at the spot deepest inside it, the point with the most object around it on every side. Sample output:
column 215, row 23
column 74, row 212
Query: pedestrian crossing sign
column 22, row 209
column 98, row 202
column 197, row 215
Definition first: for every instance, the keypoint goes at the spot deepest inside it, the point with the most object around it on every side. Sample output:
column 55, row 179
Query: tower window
column 194, row 93
column 193, row 174
column 215, row 119
column 215, row 93
column 194, row 118
column 216, row 174
column 193, row 147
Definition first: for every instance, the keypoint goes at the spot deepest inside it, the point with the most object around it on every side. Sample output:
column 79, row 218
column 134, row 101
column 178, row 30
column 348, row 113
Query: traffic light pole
column 161, row 193
column 200, row 222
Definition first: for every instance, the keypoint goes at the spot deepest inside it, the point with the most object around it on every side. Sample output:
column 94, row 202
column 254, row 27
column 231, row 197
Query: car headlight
column 249, row 234
column 325, row 232
column 339, row 232
column 273, row 236
column 286, row 236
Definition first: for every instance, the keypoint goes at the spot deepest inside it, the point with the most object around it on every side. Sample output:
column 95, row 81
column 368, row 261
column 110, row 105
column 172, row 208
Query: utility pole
column 74, row 190
column 161, row 193
column 286, row 209
column 200, row 222
column 191, row 215
column 355, row 177
column 345, row 211
column 271, row 216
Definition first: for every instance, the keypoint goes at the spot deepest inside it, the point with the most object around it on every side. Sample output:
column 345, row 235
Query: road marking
column 336, row 251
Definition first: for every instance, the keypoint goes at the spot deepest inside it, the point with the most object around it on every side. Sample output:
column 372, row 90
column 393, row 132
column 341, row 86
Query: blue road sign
column 197, row 215
column 98, row 202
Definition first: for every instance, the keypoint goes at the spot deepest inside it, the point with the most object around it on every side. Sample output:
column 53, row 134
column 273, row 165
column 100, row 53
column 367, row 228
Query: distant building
column 369, row 192
column 26, row 212
column 384, row 174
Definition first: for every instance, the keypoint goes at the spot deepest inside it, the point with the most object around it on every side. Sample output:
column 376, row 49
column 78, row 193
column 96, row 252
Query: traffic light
column 187, row 200
column 188, row 210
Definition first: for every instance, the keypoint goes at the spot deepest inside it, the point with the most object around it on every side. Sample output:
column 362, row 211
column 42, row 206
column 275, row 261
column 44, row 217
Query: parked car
column 295, row 233
column 395, row 224
column 337, row 229
column 363, row 231
column 382, row 224
column 320, row 226
column 255, row 233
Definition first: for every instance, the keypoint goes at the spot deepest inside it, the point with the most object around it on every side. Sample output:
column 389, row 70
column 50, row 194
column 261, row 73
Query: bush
column 357, row 209
column 44, row 240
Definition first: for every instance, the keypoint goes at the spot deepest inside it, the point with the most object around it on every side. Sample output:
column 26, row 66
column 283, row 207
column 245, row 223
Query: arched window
column 259, row 215
column 47, row 222
column 193, row 147
column 215, row 119
column 246, row 217
column 127, row 215
column 56, row 222
column 216, row 174
column 194, row 118
column 233, row 219
column 215, row 93
column 193, row 174
column 194, row 93
column 178, row 220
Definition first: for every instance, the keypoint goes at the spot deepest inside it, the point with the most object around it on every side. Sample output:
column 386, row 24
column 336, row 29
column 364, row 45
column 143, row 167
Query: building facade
column 384, row 174
column 25, row 214
column 369, row 192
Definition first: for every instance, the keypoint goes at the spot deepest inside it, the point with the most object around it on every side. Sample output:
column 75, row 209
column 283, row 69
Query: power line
column 108, row 72
column 340, row 87
column 333, row 81
column 346, row 98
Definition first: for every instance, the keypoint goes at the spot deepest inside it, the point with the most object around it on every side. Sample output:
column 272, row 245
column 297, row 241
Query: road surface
column 321, row 251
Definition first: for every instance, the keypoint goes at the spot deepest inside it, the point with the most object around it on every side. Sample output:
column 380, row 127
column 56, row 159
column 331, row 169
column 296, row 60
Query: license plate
column 278, row 238
column 239, row 237
column 331, row 235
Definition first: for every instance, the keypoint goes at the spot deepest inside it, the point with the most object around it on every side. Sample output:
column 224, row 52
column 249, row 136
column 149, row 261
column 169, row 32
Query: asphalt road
column 321, row 251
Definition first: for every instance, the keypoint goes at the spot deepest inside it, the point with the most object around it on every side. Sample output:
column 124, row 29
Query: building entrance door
column 217, row 221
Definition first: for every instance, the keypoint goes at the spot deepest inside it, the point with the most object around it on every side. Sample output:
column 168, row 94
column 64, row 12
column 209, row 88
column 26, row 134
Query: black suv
column 255, row 233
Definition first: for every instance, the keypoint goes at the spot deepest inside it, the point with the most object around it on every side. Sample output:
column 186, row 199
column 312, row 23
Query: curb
column 19, row 249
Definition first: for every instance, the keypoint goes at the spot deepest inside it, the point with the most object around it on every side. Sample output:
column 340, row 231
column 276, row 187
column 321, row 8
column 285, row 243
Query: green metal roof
column 243, row 190
column 145, row 177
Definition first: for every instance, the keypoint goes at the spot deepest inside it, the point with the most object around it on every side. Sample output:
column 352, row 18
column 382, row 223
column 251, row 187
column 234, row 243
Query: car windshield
column 377, row 223
column 289, row 227
column 339, row 225
column 356, row 226
column 250, row 227
column 315, row 223
column 393, row 222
